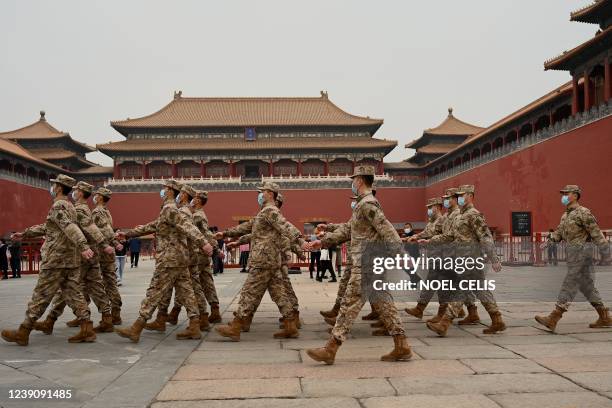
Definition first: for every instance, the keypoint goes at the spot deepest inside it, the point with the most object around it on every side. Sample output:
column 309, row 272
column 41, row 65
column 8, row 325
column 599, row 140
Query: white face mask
column 74, row 195
column 407, row 230
column 95, row 199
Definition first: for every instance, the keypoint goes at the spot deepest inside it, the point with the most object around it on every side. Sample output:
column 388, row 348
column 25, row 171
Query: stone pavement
column 523, row 367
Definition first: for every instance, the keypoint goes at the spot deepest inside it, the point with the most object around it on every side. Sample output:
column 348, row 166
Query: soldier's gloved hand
column 109, row 249
column 208, row 249
column 119, row 247
column 219, row 235
column 87, row 254
column 120, row 235
column 322, row 227
column 17, row 236
column 497, row 266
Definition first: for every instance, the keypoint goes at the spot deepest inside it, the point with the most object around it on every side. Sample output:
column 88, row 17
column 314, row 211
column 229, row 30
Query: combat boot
column 192, row 331
column 604, row 318
column 401, row 350
column 373, row 315
column 331, row 313
column 231, row 330
column 441, row 310
column 289, row 331
column 497, row 324
column 461, row 313
column 552, row 319
column 472, row 317
column 246, row 324
column 173, row 315
column 330, row 320
column 20, row 336
column 215, row 316
column 133, row 332
column 377, row 323
column 298, row 321
column 441, row 327
column 106, row 324
column 74, row 322
column 45, row 326
column 381, row 332
column 85, row 335
column 204, row 324
column 417, row 311
column 116, row 313
column 159, row 324
column 327, row 354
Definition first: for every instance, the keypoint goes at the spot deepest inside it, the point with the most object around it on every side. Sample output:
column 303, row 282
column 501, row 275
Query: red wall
column 530, row 180
column 21, row 206
column 224, row 208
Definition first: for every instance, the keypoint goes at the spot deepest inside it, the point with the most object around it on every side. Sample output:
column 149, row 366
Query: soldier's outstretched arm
column 62, row 219
column 186, row 227
column 104, row 226
column 276, row 220
column 34, row 231
column 340, row 235
column 240, row 229
column 89, row 227
column 245, row 239
column 331, row 227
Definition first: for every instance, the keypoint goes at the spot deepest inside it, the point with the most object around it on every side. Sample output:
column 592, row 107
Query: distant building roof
column 40, row 130
column 284, row 143
column 10, row 147
column 184, row 112
column 451, row 126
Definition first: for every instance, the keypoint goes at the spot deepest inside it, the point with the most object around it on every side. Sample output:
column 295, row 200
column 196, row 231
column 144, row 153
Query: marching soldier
column 61, row 255
column 470, row 237
column 200, row 220
column 367, row 224
column 91, row 280
column 184, row 200
column 104, row 221
column 266, row 228
column 171, row 230
column 579, row 229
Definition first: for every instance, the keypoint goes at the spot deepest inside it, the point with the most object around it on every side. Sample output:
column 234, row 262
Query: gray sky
column 87, row 63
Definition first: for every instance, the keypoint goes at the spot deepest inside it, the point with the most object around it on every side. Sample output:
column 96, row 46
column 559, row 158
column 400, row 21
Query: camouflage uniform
column 194, row 272
column 367, row 224
column 91, row 280
column 104, row 221
column 433, row 227
column 579, row 229
column 266, row 228
column 171, row 228
column 204, row 261
column 60, row 262
column 346, row 276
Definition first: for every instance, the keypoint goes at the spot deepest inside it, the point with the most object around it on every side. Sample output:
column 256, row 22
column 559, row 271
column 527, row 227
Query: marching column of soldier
column 77, row 264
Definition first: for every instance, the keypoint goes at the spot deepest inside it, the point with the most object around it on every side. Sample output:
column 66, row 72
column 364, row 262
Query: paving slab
column 243, row 356
column 230, row 389
column 483, row 384
column 552, row 400
column 571, row 364
column 457, row 352
column 431, row 401
column 562, row 349
column 503, row 365
column 601, row 381
column 263, row 403
column 355, row 388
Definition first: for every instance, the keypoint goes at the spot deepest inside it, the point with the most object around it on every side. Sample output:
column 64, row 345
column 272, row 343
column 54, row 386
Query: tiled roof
column 245, row 112
column 95, row 170
column 14, row 149
column 569, row 59
column 437, row 148
column 41, row 129
column 591, row 13
column 52, row 153
column 452, row 126
column 203, row 145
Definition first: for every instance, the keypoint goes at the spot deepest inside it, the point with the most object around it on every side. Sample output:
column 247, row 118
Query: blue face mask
column 162, row 193
column 353, row 205
column 565, row 199
column 354, row 189
column 260, row 199
column 461, row 201
column 447, row 203
column 429, row 212
column 51, row 191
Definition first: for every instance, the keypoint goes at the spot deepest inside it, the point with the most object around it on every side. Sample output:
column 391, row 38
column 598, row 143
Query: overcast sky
column 87, row 63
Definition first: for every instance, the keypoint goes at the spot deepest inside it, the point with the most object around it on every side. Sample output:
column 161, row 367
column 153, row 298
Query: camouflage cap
column 83, row 186
column 449, row 192
column 189, row 190
column 364, row 171
column 64, row 180
column 104, row 192
column 571, row 188
column 270, row 186
column 465, row 188
column 434, row 201
column 280, row 198
column 175, row 185
column 202, row 194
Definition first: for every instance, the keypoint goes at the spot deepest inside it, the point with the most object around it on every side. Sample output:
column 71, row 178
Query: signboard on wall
column 521, row 223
